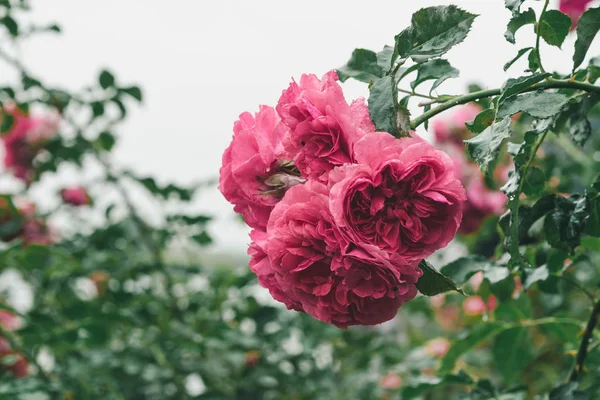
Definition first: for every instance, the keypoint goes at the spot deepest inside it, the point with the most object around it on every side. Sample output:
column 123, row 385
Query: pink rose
column 256, row 169
column 402, row 196
column 9, row 321
column 24, row 140
column 360, row 287
column 437, row 347
column 37, row 231
column 450, row 126
column 261, row 266
column 390, row 381
column 76, row 196
column 574, row 9
column 323, row 126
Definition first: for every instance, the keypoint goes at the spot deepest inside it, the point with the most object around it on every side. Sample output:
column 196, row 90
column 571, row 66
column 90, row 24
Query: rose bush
column 479, row 251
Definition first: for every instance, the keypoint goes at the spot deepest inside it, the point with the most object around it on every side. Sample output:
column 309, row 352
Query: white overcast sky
column 202, row 63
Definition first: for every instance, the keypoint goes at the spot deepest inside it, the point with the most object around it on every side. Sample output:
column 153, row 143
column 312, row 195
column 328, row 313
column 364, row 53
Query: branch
column 537, row 38
column 467, row 98
column 585, row 342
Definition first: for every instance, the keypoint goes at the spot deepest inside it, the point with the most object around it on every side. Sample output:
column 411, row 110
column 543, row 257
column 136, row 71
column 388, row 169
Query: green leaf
column 362, row 66
column 134, row 92
column 7, row 123
column 535, row 275
column 517, row 22
column 554, row 27
column 478, row 334
column 565, row 223
column 512, row 353
column 434, row 30
column 575, row 117
column 11, row 25
column 513, row 5
column 106, row 141
column 97, row 109
column 385, row 58
column 438, row 69
column 426, row 383
column 587, row 28
column 382, row 105
column 482, row 121
column 462, row 269
column 106, row 79
column 536, row 104
column 434, row 282
column 534, row 60
column 534, row 182
column 568, row 391
column 514, row 86
column 520, row 54
column 484, row 148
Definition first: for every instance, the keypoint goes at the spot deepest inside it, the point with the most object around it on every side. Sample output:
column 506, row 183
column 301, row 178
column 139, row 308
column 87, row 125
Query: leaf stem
column 410, row 92
column 467, row 98
column 537, row 38
column 585, row 342
column 578, row 286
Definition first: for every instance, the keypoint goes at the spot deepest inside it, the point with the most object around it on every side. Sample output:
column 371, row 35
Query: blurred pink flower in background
column 25, row 138
column 75, row 196
column 574, row 9
column 437, row 347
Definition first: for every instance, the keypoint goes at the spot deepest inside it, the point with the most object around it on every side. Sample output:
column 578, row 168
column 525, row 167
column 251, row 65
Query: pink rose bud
column 574, row 9
column 390, row 381
column 437, row 347
column 75, row 196
column 9, row 321
column 20, row 369
column 474, row 305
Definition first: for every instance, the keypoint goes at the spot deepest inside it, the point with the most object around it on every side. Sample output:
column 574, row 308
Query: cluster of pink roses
column 341, row 214
column 19, row 367
column 23, row 142
column 450, row 132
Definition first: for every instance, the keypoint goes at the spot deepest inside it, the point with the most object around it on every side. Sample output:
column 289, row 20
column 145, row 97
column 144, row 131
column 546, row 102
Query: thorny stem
column 537, row 38
column 467, row 98
column 585, row 342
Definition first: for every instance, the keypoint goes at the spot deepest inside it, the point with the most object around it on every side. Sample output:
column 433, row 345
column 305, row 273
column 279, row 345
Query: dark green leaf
column 440, row 70
column 517, row 22
column 106, row 141
column 565, row 222
column 434, row 30
column 106, row 79
column 484, row 148
column 520, row 54
column 568, row 391
column 555, row 27
column 474, row 337
column 433, row 282
column 97, row 109
column 515, row 86
column 385, row 58
column 534, row 182
column 587, row 28
column 11, row 25
column 482, row 121
column 382, row 105
column 362, row 66
column 462, row 269
column 513, row 5
column 534, row 60
column 202, row 238
column 134, row 92
column 575, row 117
column 7, row 123
column 536, row 104
column 512, row 353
